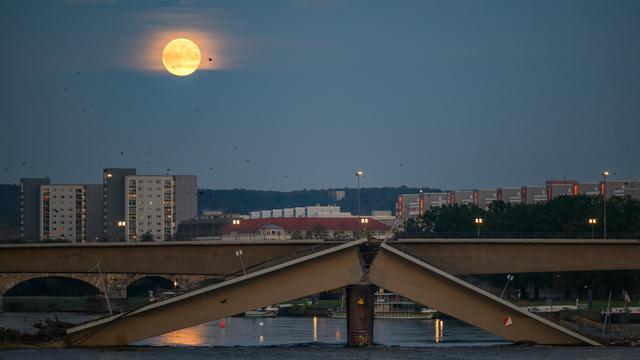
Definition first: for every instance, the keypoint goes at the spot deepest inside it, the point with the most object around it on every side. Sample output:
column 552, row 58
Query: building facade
column 63, row 213
column 329, row 211
column 95, row 213
column 30, row 208
column 186, row 205
column 114, row 202
column 304, row 228
column 411, row 205
column 150, row 207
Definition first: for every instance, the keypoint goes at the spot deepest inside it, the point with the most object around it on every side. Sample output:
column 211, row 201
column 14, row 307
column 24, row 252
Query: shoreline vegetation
column 51, row 335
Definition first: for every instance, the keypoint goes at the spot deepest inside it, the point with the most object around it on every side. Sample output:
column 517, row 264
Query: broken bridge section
column 327, row 269
column 409, row 276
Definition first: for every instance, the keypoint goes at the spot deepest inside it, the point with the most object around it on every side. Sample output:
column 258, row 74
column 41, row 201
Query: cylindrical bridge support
column 360, row 300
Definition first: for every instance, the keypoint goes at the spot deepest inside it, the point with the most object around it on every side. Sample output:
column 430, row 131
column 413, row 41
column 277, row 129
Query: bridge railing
column 514, row 235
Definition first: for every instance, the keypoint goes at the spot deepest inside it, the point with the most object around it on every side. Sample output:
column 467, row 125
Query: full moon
column 181, row 57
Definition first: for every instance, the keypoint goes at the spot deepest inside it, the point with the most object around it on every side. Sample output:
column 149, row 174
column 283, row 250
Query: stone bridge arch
column 9, row 281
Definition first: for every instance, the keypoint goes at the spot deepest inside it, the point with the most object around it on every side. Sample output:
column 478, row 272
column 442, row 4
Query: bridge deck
column 328, row 269
column 397, row 271
column 495, row 256
column 216, row 258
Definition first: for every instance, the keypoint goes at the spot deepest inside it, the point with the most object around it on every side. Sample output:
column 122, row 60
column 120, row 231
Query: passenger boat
column 389, row 305
column 269, row 311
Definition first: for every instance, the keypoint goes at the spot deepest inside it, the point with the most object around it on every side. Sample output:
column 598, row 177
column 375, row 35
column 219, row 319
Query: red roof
column 307, row 224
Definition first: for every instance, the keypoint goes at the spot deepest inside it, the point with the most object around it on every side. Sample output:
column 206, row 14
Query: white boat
column 269, row 311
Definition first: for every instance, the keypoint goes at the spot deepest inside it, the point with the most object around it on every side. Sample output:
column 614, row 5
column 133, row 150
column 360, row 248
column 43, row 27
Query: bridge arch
column 140, row 285
column 9, row 282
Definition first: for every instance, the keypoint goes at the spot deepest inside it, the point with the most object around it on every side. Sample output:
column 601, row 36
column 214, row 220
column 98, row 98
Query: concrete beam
column 397, row 271
column 492, row 256
column 325, row 270
column 216, row 258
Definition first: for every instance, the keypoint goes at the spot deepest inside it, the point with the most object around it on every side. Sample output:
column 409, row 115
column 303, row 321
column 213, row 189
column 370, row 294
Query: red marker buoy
column 221, row 324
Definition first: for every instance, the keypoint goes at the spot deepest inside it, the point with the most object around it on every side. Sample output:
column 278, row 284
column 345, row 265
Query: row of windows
column 150, row 182
column 57, row 210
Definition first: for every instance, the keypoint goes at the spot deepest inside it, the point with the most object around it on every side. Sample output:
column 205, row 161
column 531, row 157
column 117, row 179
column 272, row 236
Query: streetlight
column 239, row 254
column 478, row 222
column 593, row 223
column 236, row 222
column 509, row 279
column 364, row 222
column 121, row 225
column 604, row 202
column 359, row 174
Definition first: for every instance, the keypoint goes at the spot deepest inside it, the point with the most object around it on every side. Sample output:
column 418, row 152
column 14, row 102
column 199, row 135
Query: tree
column 147, row 237
column 319, row 232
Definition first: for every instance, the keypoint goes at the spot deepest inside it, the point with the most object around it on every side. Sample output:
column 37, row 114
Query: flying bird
column 210, row 59
column 121, row 152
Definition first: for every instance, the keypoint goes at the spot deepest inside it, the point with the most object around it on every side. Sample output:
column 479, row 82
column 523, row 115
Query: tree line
column 562, row 217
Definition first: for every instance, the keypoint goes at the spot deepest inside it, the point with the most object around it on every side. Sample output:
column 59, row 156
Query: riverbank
column 50, row 335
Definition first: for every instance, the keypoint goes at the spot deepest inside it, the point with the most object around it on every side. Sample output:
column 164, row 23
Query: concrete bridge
column 111, row 286
column 422, row 270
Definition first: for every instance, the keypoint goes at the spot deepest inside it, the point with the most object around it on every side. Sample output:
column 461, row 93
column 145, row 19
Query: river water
column 310, row 338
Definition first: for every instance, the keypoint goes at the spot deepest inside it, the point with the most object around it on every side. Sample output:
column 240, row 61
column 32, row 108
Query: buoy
column 221, row 324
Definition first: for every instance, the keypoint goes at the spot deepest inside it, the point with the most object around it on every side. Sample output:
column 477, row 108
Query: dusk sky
column 301, row 93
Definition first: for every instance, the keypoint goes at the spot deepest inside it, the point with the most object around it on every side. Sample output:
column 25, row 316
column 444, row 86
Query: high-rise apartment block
column 114, row 200
column 150, row 207
column 124, row 208
column 63, row 212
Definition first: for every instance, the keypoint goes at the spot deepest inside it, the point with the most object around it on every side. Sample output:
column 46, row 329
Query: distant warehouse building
column 300, row 212
column 303, row 228
column 510, row 195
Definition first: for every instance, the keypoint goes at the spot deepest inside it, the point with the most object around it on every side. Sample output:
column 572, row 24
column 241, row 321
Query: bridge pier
column 360, row 301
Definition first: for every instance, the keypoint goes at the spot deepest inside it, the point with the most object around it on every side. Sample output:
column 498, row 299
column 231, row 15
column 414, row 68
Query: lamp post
column 236, row 222
column 121, row 225
column 593, row 223
column 239, row 254
column 478, row 222
column 364, row 222
column 604, row 203
column 359, row 174
column 509, row 279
